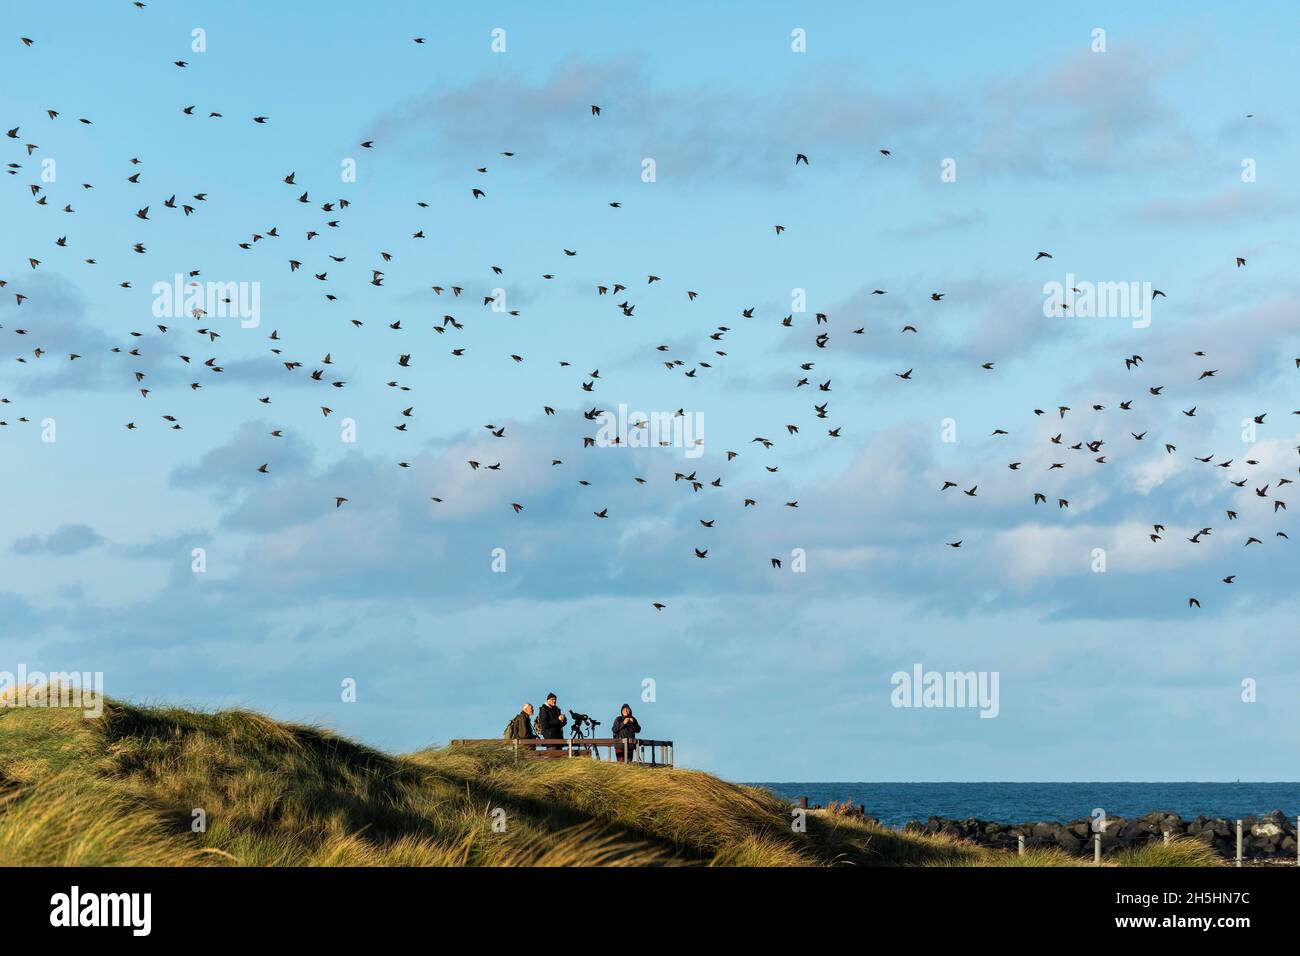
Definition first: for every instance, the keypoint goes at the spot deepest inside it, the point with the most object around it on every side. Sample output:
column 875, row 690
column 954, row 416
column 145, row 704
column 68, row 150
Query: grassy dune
column 122, row 790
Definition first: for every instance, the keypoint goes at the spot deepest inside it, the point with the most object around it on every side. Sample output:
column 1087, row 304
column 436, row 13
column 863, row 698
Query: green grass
column 123, row 790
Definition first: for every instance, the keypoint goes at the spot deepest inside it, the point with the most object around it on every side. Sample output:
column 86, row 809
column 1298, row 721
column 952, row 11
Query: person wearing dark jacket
column 550, row 720
column 521, row 727
column 625, row 730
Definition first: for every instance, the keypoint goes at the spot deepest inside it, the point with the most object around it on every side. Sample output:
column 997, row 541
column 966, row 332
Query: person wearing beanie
column 550, row 720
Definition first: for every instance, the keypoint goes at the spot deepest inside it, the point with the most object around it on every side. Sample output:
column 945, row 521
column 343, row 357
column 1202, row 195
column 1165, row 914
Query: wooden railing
column 651, row 753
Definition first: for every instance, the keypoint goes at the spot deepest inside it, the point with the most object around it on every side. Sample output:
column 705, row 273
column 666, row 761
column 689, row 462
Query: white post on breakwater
column 1021, row 845
column 1096, row 849
column 1239, row 843
column 1166, row 838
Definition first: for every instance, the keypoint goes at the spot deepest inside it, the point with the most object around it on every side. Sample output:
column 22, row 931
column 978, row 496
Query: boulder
column 1269, row 831
column 1138, row 830
column 1068, row 842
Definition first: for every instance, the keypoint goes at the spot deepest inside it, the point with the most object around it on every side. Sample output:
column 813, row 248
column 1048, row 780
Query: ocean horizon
column 894, row 804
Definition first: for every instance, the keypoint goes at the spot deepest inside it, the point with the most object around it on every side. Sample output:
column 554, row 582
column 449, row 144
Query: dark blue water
column 896, row 803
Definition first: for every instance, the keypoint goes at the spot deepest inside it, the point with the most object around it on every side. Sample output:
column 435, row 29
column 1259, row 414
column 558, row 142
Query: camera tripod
column 576, row 734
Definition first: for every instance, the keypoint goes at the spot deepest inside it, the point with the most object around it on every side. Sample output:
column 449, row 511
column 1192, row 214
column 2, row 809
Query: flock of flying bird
column 328, row 217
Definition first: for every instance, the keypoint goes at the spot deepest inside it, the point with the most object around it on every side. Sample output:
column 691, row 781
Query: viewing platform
column 649, row 753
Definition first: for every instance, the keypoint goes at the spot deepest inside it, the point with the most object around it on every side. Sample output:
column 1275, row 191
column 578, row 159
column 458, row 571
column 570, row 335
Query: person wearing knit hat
column 550, row 720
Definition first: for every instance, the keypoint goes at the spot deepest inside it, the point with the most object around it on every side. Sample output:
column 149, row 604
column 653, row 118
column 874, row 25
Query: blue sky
column 1126, row 165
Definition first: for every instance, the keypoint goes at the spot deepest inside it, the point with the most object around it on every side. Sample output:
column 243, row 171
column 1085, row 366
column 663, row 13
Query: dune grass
column 169, row 786
column 1181, row 851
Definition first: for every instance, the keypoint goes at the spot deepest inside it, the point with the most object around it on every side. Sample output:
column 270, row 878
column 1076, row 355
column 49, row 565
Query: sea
column 894, row 804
